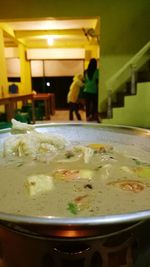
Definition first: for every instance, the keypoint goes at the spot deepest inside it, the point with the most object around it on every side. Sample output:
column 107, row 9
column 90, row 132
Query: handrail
column 133, row 62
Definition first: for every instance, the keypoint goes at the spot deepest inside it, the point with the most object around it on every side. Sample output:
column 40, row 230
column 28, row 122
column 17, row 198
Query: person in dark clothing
column 91, row 77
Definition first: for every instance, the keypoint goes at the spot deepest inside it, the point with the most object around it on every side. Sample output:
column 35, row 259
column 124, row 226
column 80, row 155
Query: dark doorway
column 57, row 85
column 55, row 76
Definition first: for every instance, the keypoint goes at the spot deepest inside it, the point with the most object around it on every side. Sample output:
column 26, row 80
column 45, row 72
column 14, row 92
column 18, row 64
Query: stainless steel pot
column 84, row 226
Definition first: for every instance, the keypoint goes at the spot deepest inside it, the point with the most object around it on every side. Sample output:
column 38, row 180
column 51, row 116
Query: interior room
column 122, row 51
column 43, row 55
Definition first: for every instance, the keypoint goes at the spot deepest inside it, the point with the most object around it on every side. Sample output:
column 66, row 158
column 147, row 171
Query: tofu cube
column 38, row 184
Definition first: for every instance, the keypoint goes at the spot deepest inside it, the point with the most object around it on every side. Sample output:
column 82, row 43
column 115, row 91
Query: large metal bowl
column 84, row 226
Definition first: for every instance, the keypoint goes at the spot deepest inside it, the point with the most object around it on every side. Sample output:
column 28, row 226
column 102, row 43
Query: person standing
column 91, row 77
column 72, row 97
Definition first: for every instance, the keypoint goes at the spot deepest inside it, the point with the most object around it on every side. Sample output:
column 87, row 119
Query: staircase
column 129, row 83
column 142, row 75
column 133, row 113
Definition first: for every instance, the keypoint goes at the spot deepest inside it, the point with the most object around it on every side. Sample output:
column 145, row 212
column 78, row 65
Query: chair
column 13, row 88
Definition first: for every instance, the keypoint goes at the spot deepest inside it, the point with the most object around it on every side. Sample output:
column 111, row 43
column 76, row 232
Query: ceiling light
column 50, row 41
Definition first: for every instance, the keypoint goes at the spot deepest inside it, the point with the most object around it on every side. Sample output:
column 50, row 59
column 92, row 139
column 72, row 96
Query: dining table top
column 10, row 100
column 15, row 96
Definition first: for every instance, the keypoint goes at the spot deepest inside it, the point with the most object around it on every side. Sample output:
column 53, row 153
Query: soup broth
column 86, row 179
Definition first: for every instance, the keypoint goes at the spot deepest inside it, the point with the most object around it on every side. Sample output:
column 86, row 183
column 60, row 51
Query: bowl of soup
column 75, row 176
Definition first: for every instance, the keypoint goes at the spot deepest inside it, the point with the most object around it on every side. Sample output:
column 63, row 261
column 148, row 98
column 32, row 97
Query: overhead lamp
column 50, row 41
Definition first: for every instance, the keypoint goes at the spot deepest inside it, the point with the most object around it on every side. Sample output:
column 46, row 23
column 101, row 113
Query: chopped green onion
column 72, row 207
column 138, row 162
column 19, row 164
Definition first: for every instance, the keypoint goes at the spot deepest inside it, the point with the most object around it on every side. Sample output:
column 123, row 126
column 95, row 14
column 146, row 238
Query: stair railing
column 133, row 80
column 109, row 105
column 126, row 72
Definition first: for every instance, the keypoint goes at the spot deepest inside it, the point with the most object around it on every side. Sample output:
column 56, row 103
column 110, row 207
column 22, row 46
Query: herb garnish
column 72, row 207
column 138, row 162
column 19, row 164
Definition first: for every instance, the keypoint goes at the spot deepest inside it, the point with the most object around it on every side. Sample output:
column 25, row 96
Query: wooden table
column 10, row 103
column 49, row 103
column 52, row 100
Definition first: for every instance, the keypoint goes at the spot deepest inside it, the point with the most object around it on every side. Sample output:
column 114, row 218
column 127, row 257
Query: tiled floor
column 63, row 115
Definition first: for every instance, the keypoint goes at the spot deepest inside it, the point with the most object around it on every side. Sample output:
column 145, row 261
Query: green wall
column 124, row 26
column 136, row 111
